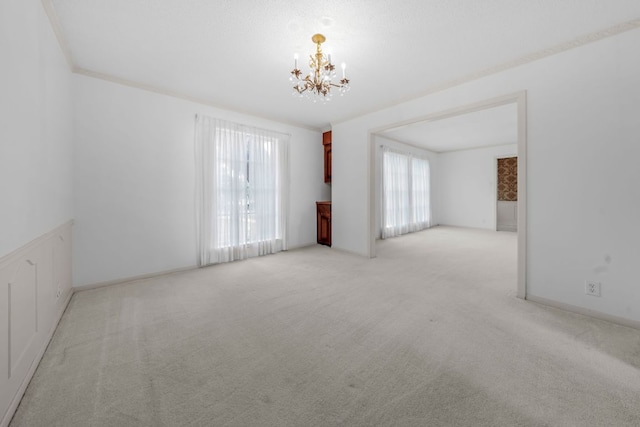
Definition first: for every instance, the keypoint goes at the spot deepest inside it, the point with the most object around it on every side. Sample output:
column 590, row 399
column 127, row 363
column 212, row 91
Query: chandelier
column 322, row 75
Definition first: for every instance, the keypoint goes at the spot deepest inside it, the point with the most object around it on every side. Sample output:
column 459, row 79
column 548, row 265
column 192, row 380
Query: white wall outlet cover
column 592, row 288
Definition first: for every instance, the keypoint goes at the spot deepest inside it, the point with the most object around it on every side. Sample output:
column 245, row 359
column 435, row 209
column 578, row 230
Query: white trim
column 57, row 30
column 523, row 177
column 520, row 99
column 178, row 95
column 36, row 248
column 480, row 148
column 22, row 250
column 409, row 144
column 584, row 311
column 371, row 194
column 451, row 112
column 300, row 246
column 341, row 250
column 97, row 285
column 572, row 44
column 64, row 47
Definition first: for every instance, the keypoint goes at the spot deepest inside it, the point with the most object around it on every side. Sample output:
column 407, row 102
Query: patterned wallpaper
column 508, row 179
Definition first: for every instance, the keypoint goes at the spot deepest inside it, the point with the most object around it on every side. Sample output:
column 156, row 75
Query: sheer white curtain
column 405, row 193
column 242, row 191
column 420, row 195
column 395, row 194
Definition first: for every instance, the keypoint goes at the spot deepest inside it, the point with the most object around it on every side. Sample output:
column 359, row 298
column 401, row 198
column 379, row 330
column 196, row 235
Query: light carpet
column 429, row 333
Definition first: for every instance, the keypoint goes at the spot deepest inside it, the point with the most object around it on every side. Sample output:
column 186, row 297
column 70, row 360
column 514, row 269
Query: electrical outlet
column 592, row 288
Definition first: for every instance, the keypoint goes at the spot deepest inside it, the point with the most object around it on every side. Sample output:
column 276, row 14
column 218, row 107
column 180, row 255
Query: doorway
column 519, row 99
column 507, row 194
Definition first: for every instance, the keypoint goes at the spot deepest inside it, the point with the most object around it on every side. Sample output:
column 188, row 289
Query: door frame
column 518, row 98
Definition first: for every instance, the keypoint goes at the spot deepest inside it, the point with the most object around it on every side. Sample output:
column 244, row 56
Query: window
column 405, row 193
column 242, row 191
column 395, row 181
column 420, row 194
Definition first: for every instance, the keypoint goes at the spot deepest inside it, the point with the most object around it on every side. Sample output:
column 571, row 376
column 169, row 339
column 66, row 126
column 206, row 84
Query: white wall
column 134, row 181
column 36, row 127
column 433, row 176
column 36, row 132
column 507, row 215
column 467, row 184
column 583, row 148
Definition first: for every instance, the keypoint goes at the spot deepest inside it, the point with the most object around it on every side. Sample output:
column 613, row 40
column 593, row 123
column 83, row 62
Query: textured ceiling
column 484, row 128
column 237, row 54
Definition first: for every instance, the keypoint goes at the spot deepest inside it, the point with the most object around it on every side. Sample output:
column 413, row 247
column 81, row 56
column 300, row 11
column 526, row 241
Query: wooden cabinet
column 324, row 222
column 324, row 208
column 326, row 143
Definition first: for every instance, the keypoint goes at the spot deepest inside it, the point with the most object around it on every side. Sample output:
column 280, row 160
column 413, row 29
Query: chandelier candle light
column 319, row 81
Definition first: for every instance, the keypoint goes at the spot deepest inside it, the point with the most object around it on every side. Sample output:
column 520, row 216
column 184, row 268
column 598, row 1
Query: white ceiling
column 484, row 128
column 237, row 54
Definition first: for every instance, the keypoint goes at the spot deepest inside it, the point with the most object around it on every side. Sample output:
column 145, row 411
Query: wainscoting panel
column 35, row 288
column 23, row 321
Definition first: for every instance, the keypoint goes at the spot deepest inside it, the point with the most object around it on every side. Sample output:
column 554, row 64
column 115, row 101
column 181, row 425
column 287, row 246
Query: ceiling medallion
column 322, row 74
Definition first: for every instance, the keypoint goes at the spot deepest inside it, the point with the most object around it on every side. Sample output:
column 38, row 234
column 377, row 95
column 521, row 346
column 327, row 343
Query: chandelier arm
column 321, row 72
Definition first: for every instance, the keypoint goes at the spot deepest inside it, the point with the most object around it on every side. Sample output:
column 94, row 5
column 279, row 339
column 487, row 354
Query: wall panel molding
column 35, row 288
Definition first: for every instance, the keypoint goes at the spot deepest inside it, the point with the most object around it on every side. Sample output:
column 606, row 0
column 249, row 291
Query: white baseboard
column 347, row 251
column 585, row 311
column 132, row 279
column 301, row 246
column 97, row 285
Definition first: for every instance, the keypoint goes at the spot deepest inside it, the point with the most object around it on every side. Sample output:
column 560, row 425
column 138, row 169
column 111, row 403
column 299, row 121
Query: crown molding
column 64, row 47
column 526, row 59
column 179, row 95
column 578, row 42
column 57, row 30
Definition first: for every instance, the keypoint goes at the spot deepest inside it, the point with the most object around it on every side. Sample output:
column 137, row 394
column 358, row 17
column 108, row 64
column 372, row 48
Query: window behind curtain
column 420, row 194
column 405, row 193
column 242, row 191
column 395, row 184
